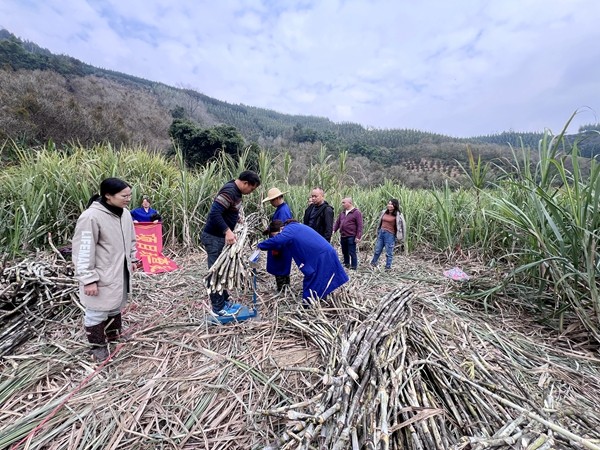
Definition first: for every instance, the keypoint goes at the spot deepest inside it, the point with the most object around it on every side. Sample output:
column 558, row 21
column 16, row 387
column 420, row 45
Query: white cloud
column 460, row 68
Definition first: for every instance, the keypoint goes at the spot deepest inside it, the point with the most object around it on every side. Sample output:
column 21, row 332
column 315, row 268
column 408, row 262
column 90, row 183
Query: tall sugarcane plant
column 551, row 214
column 540, row 218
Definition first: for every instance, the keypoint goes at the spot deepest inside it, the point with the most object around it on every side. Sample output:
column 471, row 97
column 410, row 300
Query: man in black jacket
column 319, row 215
column 218, row 231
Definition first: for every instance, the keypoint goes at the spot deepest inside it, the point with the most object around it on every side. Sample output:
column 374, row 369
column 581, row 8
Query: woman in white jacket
column 104, row 258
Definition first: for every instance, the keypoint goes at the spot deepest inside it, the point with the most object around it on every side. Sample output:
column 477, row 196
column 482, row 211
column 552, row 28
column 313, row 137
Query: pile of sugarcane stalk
column 230, row 270
column 396, row 381
column 443, row 375
column 354, row 411
column 31, row 292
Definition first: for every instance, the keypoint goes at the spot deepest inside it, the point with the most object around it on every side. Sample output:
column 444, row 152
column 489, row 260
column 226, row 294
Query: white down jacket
column 103, row 245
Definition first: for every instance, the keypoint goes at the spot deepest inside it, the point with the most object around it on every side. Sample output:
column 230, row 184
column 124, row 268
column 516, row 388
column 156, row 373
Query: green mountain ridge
column 83, row 103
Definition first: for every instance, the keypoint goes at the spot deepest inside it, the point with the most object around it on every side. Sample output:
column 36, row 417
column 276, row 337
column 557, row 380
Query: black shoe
column 99, row 354
column 114, row 331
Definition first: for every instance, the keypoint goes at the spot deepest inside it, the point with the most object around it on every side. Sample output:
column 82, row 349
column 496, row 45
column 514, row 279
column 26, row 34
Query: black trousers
column 282, row 281
column 349, row 251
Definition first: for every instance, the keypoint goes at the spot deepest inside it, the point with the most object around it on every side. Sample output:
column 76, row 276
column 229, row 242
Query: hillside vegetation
column 47, row 97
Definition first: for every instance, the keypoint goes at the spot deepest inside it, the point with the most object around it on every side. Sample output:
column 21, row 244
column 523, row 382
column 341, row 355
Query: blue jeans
column 387, row 240
column 349, row 251
column 213, row 246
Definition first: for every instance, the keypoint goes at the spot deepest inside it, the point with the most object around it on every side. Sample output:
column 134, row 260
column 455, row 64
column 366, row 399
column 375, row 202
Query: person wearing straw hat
column 279, row 262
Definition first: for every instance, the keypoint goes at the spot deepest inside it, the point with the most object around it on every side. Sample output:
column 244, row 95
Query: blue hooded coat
column 279, row 262
column 315, row 257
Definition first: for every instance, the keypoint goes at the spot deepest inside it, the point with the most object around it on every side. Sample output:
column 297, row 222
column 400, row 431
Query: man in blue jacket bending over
column 314, row 256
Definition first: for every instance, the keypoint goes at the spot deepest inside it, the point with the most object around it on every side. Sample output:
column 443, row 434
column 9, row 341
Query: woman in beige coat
column 104, row 258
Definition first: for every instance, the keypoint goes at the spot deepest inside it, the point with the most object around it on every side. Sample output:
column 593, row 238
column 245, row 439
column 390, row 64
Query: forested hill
column 59, row 98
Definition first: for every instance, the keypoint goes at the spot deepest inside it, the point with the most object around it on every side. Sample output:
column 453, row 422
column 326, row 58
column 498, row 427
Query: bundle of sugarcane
column 353, row 410
column 230, row 270
column 32, row 291
column 394, row 381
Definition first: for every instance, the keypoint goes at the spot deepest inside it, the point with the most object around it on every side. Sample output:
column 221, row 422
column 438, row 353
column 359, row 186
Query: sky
column 456, row 67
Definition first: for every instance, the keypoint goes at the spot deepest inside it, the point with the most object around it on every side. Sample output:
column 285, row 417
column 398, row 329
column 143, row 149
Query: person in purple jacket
column 314, row 256
column 279, row 262
column 350, row 224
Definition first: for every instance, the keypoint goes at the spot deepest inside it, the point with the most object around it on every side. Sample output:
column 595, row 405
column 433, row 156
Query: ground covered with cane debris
column 393, row 360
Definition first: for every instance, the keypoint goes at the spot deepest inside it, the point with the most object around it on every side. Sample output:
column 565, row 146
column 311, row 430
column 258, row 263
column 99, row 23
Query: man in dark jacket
column 218, row 231
column 319, row 215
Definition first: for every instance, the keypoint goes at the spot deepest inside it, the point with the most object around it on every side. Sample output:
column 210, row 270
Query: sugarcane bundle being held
column 230, row 269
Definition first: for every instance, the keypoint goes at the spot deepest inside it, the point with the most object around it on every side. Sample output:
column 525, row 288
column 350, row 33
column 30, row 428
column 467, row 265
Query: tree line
column 57, row 98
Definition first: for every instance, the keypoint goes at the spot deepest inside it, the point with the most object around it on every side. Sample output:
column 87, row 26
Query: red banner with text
column 149, row 248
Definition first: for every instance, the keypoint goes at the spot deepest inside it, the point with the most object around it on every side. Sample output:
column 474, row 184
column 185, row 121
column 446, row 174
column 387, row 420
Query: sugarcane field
column 483, row 334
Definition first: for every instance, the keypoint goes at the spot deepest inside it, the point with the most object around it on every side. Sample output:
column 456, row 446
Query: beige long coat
column 103, row 247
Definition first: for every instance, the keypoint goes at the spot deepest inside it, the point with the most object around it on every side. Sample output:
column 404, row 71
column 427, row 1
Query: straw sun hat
column 273, row 193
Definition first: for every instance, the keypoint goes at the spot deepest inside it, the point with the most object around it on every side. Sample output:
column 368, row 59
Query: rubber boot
column 97, row 338
column 114, row 325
